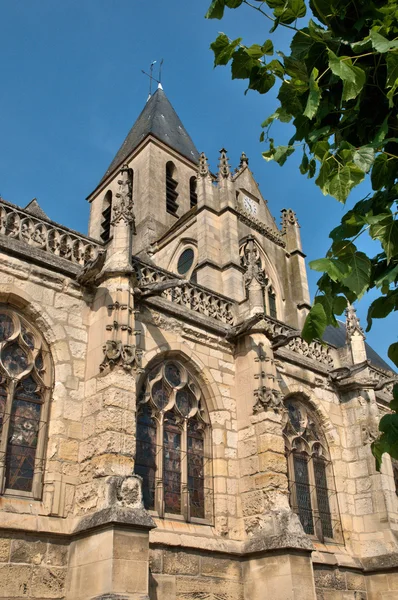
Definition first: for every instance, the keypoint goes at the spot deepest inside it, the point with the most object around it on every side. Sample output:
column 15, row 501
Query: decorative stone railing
column 321, row 353
column 45, row 235
column 191, row 296
column 384, row 380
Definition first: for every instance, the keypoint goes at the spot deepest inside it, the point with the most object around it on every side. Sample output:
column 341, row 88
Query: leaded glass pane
column 172, row 465
column 323, row 498
column 185, row 401
column 173, row 374
column 6, row 327
column 302, row 486
column 160, row 394
column 28, row 337
column 14, row 359
column 272, row 305
column 145, row 461
column 22, row 441
column 196, row 470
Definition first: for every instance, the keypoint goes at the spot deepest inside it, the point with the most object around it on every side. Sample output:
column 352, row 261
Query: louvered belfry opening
column 193, row 196
column 171, row 189
column 106, row 217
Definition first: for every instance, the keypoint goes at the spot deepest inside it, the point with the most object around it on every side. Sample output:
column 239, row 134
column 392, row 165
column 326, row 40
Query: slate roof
column 337, row 337
column 34, row 208
column 159, row 119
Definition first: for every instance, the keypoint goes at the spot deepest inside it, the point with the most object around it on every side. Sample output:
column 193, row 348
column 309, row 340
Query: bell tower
column 162, row 162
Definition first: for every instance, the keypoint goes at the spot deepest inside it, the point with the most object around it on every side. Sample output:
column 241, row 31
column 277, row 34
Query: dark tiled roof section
column 337, row 337
column 35, row 209
column 161, row 120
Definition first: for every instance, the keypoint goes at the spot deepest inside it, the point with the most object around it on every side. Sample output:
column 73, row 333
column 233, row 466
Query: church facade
column 165, row 432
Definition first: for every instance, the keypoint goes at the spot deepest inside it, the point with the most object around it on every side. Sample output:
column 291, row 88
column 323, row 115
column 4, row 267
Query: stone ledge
column 380, row 563
column 134, row 517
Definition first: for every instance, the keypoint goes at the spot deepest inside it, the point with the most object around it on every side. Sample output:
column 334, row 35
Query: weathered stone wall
column 332, row 583
column 32, row 566
column 184, row 574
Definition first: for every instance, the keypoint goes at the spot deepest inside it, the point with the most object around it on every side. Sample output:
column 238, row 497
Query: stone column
column 109, row 556
column 278, row 553
column 299, row 290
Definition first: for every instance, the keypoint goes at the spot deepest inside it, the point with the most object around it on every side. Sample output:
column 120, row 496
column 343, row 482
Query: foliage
column 339, row 89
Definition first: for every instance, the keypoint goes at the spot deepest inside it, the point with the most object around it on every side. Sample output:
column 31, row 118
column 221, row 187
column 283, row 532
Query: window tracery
column 25, row 378
column 311, row 483
column 172, row 442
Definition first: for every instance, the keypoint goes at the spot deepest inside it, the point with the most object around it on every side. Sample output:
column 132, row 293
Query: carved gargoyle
column 91, row 269
column 243, row 327
column 154, row 289
column 284, row 338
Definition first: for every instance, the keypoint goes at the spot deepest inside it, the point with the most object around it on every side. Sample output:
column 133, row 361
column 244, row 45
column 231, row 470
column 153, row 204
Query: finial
column 352, row 323
column 223, row 166
column 244, row 161
column 288, row 218
column 203, row 169
column 151, row 77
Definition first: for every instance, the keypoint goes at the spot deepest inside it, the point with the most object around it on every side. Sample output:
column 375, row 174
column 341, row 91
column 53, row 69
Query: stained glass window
column 310, row 479
column 170, row 411
column 24, row 388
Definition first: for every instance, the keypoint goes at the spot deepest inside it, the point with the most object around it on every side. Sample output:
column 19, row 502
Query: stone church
column 165, row 433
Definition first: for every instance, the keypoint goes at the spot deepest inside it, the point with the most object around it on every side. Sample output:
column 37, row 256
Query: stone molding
column 268, row 232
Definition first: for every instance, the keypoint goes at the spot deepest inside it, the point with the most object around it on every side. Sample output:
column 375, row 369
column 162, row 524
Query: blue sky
column 72, row 87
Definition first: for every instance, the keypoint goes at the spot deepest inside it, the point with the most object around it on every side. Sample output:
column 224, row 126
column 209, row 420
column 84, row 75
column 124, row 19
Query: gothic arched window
column 193, row 195
column 311, row 484
column 172, row 439
column 171, row 188
column 106, row 217
column 25, row 382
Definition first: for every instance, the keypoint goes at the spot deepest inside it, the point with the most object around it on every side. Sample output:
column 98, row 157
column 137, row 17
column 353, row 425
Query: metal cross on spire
column 152, row 78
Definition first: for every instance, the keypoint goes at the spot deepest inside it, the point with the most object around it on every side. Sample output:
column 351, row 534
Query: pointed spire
column 159, row 119
column 223, row 166
column 203, row 169
column 352, row 322
column 35, row 209
column 244, row 161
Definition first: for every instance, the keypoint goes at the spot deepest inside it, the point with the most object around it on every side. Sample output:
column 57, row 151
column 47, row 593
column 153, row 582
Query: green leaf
column 364, row 158
column 301, row 44
column 287, row 11
column 315, row 323
column 255, row 51
column 336, row 269
column 358, row 278
column 216, row 10
column 304, row 164
column 387, row 277
column 261, row 80
column 339, row 305
column 393, row 354
column 242, row 64
column 314, row 96
column 327, row 302
column 380, row 172
column 268, row 48
column 382, row 307
column 382, row 44
column 387, row 232
column 392, row 69
column 290, row 99
column 278, row 69
column 282, row 153
column 223, row 49
column 353, row 78
column 382, row 132
column 339, row 184
column 296, row 69
column 233, row 3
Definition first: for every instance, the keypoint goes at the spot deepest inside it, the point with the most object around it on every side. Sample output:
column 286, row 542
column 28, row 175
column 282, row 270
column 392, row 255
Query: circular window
column 185, row 261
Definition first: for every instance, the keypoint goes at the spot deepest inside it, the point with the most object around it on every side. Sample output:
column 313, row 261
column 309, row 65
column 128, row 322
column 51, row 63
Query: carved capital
column 267, row 399
column 116, row 353
column 124, row 208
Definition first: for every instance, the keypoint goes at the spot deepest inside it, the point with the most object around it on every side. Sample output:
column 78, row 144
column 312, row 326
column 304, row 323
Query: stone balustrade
column 45, row 235
column 191, row 296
